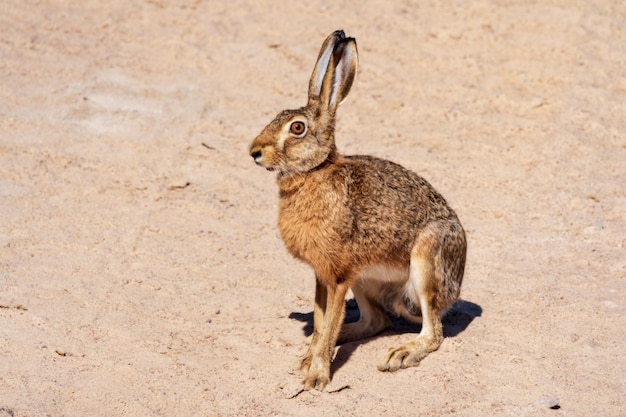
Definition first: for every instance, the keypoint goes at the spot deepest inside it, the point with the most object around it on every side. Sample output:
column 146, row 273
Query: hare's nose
column 257, row 155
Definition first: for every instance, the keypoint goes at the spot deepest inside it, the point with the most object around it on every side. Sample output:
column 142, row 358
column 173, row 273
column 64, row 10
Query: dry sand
column 141, row 273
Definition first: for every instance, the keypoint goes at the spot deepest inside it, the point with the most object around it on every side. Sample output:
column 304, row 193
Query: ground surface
column 141, row 273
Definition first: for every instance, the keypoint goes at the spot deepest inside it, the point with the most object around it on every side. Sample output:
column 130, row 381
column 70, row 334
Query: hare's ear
column 339, row 74
column 321, row 66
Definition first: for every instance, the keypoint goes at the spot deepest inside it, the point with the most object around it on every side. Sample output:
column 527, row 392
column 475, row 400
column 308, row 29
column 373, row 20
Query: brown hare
column 361, row 223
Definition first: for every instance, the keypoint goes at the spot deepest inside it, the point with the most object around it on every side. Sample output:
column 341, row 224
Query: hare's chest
column 310, row 230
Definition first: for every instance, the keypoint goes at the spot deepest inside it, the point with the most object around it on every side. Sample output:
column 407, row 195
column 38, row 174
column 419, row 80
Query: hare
column 361, row 223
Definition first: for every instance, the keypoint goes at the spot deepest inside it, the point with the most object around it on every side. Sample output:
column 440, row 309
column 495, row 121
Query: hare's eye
column 297, row 128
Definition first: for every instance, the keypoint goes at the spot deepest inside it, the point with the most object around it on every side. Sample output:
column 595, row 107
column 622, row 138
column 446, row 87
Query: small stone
column 548, row 402
column 291, row 389
column 537, row 102
column 178, row 185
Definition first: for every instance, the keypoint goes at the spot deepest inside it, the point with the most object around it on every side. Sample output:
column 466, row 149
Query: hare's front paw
column 305, row 363
column 318, row 374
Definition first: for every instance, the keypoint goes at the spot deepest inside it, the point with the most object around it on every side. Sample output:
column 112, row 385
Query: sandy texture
column 141, row 273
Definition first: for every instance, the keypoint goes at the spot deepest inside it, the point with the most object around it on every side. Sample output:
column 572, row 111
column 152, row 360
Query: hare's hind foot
column 410, row 354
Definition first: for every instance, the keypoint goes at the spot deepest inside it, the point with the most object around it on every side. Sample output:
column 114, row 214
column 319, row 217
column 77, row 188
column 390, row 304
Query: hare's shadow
column 456, row 320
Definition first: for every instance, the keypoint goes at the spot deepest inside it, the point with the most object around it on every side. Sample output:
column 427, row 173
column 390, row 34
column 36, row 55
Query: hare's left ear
column 334, row 71
column 317, row 78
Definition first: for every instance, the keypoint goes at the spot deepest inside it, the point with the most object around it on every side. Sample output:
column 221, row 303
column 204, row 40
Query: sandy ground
column 141, row 272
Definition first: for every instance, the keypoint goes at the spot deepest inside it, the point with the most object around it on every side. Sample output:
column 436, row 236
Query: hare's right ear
column 339, row 74
column 334, row 71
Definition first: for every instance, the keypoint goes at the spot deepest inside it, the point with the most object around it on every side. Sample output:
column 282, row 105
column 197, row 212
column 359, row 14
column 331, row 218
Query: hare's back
column 394, row 190
column 387, row 206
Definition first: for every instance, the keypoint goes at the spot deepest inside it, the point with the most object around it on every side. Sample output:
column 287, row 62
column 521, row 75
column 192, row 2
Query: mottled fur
column 360, row 222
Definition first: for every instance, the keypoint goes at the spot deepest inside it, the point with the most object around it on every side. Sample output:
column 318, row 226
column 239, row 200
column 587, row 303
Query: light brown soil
column 141, row 273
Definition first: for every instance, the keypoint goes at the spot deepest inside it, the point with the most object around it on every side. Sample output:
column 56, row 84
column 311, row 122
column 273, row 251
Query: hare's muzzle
column 256, row 155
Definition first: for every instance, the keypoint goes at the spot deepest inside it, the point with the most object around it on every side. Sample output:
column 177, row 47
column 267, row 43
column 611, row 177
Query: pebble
column 548, row 402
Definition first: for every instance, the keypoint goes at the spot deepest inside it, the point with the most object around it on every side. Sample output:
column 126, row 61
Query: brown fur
column 360, row 222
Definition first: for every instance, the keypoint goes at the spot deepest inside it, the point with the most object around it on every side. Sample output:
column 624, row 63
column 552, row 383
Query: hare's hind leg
column 431, row 335
column 424, row 288
column 372, row 317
